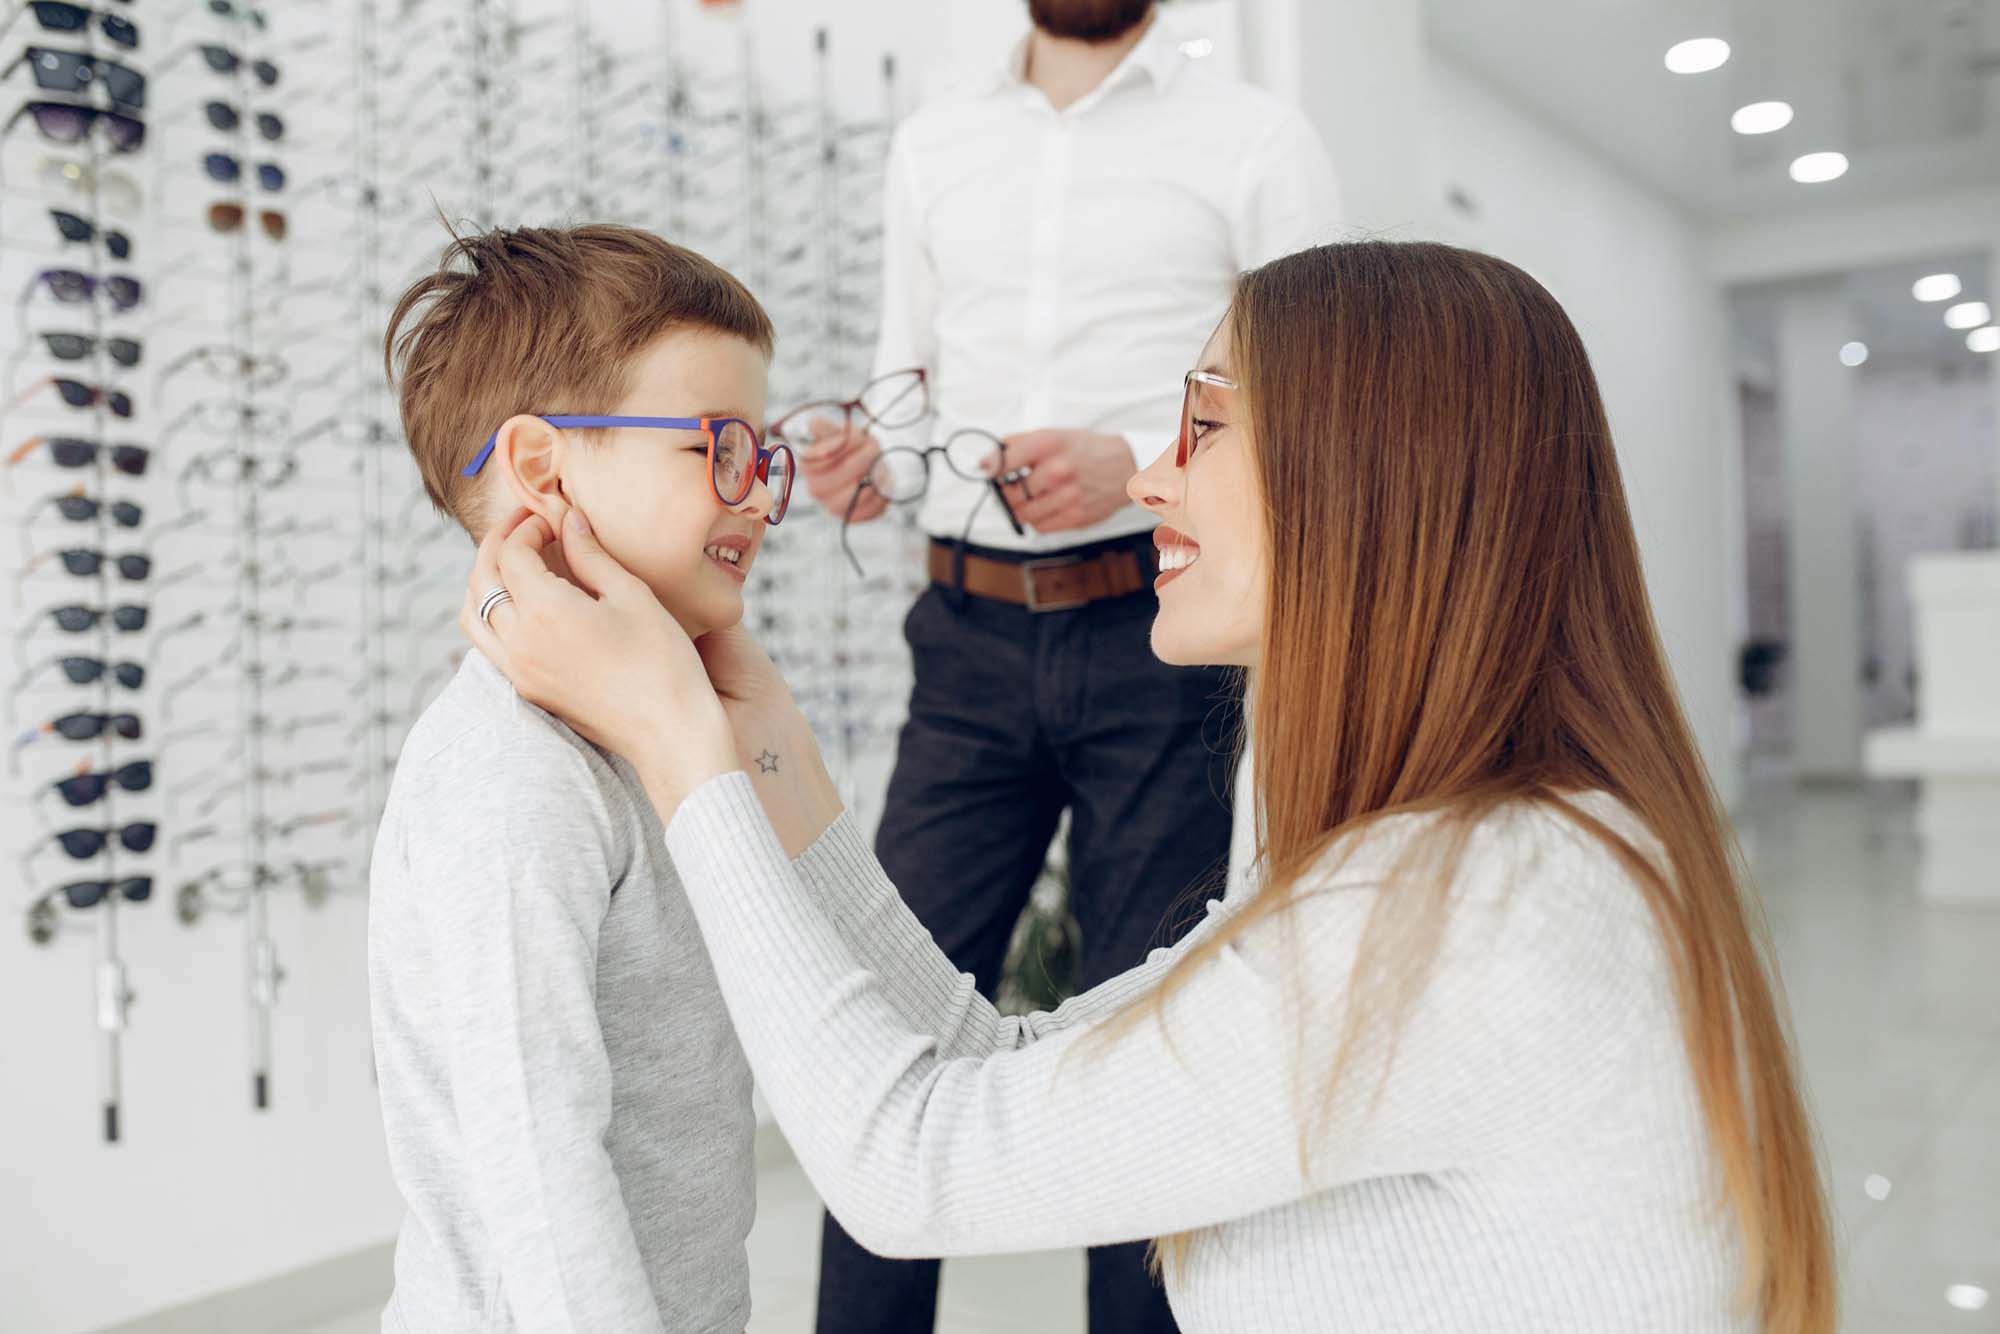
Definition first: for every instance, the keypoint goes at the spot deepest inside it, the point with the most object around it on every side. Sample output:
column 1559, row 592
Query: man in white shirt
column 1060, row 239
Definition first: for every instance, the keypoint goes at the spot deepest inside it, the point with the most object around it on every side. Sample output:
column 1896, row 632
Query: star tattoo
column 767, row 763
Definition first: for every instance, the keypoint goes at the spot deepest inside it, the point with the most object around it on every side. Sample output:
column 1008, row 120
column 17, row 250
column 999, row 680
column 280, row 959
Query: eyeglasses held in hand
column 1193, row 427
column 737, row 461
column 61, row 71
column 70, row 452
column 68, row 123
column 902, row 475
column 81, row 231
column 892, row 401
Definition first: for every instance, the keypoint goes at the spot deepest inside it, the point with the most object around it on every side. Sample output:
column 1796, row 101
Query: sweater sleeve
column 956, row 1134
column 513, row 885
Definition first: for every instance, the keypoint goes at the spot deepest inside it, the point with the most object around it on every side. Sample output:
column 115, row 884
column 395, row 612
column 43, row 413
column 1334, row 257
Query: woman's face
column 1211, row 535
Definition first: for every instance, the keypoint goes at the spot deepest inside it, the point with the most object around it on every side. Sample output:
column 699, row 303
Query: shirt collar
column 1157, row 56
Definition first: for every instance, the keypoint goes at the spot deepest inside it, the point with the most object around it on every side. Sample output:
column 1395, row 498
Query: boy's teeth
column 730, row 554
column 1178, row 558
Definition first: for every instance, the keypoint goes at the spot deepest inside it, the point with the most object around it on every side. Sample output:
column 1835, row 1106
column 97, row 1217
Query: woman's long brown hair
column 1457, row 619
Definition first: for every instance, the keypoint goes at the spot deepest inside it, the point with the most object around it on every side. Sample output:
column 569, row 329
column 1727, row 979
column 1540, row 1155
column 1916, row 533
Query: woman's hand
column 773, row 741
column 599, row 653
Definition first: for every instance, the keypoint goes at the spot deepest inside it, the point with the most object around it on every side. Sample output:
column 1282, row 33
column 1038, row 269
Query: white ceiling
column 1900, row 331
column 1908, row 89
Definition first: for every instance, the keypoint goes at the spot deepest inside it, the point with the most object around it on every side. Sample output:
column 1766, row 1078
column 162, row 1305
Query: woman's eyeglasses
column 78, row 71
column 69, row 452
column 1184, row 446
column 737, row 461
column 67, row 123
column 893, row 401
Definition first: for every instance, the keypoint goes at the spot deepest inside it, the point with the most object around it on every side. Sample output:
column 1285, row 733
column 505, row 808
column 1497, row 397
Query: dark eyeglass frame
column 74, row 286
column 923, row 458
column 61, row 16
column 83, row 894
column 83, row 844
column 225, row 117
column 228, row 169
column 78, row 394
column 86, row 789
column 222, row 60
column 74, row 227
column 62, row 71
column 74, row 452
column 83, row 562
column 227, row 215
column 71, row 123
column 65, row 345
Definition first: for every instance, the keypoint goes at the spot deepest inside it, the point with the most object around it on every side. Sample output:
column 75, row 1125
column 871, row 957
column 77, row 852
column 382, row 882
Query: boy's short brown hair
column 541, row 320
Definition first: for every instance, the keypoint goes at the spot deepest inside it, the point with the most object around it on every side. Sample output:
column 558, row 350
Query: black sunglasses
column 85, row 509
column 83, row 789
column 80, row 395
column 88, row 671
column 80, row 229
column 86, row 843
column 76, row 618
column 68, row 123
column 90, row 893
column 76, row 346
column 226, row 117
column 90, row 726
column 61, row 16
column 71, row 286
column 75, row 71
column 225, row 61
column 70, row 452
column 84, row 561
column 223, row 167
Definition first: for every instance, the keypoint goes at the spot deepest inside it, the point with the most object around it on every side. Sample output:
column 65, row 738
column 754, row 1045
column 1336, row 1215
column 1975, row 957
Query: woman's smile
column 1177, row 553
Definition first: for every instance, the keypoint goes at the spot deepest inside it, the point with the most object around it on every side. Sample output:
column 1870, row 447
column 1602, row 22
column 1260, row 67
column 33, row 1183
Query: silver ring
column 492, row 600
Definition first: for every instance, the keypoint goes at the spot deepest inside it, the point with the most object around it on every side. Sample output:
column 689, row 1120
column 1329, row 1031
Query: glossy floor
column 1897, row 1008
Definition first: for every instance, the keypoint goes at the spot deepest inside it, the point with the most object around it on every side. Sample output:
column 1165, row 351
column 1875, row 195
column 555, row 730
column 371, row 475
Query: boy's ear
column 529, row 454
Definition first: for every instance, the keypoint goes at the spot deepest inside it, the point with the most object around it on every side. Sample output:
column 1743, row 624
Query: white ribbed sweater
column 1535, row 1160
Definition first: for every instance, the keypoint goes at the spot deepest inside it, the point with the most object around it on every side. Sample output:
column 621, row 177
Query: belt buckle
column 1035, row 604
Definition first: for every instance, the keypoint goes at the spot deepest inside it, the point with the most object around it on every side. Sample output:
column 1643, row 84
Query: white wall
column 1631, row 270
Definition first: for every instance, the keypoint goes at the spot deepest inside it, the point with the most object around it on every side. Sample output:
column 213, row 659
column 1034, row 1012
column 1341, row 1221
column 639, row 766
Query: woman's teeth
column 1178, row 558
column 730, row 554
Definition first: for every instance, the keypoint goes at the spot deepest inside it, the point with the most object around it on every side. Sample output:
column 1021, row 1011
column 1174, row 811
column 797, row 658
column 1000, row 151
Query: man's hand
column 834, row 464
column 1076, row 478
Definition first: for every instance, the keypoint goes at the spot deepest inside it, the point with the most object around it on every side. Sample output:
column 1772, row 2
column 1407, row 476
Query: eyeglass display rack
column 303, row 596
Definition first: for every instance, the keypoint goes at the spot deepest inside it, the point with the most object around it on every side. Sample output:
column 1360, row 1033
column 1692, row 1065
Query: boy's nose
column 759, row 503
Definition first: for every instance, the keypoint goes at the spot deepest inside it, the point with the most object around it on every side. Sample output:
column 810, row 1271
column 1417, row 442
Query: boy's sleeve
column 513, row 879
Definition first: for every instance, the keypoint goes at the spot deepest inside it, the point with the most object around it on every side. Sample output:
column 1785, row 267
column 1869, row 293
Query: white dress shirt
column 1063, row 268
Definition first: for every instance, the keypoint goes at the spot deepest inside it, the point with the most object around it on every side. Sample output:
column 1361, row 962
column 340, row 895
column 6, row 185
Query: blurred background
column 1777, row 226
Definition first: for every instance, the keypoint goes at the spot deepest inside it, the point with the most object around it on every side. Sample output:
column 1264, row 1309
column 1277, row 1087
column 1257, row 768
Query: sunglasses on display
column 229, row 10
column 228, row 216
column 84, row 671
column 225, row 117
column 76, row 619
column 737, row 460
column 1184, row 445
column 79, row 727
column 225, row 61
column 107, row 186
column 893, row 401
column 88, row 788
column 60, row 16
column 81, row 231
column 70, row 452
column 77, row 394
column 61, row 71
column 77, row 346
column 83, row 894
column 226, row 168
column 83, row 844
column 84, row 562
column 73, row 286
column 76, row 507
column 67, row 123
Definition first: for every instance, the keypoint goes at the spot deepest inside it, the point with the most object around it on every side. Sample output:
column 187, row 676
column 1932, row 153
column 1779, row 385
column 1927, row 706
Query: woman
column 1490, row 1042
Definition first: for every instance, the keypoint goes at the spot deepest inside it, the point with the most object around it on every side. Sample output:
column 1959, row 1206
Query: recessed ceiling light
column 1936, row 287
column 1197, row 47
column 1853, row 354
column 1984, row 340
column 1761, row 117
column 1814, row 168
column 1698, row 55
column 1967, row 315
column 1877, row 1186
column 1966, row 1296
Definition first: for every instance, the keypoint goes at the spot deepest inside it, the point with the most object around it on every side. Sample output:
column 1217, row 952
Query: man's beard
column 1089, row 20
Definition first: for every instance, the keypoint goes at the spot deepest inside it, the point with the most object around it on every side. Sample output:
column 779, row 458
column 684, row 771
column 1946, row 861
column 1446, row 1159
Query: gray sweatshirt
column 567, row 1109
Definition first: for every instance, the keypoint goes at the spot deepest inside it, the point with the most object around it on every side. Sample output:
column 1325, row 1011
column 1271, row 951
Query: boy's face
column 646, row 492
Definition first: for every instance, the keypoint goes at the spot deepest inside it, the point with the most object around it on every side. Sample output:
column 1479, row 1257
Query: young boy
column 567, row 1110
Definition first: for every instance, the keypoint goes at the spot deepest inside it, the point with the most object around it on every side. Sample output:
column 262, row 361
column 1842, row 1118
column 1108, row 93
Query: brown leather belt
column 1054, row 583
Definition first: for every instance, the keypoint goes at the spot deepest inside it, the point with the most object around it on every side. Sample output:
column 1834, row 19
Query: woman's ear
column 530, row 455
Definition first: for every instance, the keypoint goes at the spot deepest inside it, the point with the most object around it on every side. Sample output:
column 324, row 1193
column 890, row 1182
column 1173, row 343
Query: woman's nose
column 1157, row 485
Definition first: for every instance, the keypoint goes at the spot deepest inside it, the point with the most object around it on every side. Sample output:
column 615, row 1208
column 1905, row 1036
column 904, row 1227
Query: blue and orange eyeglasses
column 737, row 460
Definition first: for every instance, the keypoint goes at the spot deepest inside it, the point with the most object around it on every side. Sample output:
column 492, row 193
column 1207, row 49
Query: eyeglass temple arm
column 847, row 521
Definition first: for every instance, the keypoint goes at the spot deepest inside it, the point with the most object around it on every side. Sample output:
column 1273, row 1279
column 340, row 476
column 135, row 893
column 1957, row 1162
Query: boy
column 567, row 1109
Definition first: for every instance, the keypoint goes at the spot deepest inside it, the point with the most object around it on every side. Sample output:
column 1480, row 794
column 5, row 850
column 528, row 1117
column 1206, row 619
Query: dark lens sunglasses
column 227, row 216
column 75, row 71
column 83, row 844
column 88, row 671
column 223, row 167
column 225, row 61
column 77, row 346
column 85, row 509
column 83, row 562
column 67, row 123
column 60, row 16
column 75, row 619
column 226, row 117
column 90, row 726
column 80, row 395
column 90, row 893
column 70, row 452
column 83, row 789
column 72, row 286
column 81, row 230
